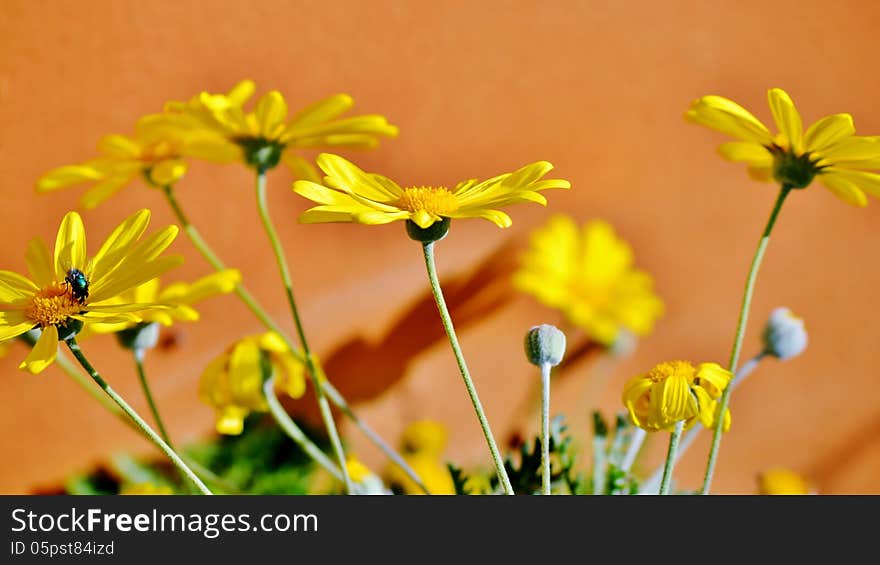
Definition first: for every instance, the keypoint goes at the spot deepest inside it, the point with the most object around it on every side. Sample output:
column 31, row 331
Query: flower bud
column 141, row 336
column 784, row 335
column 545, row 344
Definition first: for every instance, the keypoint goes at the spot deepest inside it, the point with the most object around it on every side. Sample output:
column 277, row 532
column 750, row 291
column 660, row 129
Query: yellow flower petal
column 713, row 377
column 241, row 92
column 70, row 245
column 40, row 263
column 15, row 286
column 301, row 168
column 271, row 112
column 13, row 325
column 728, row 117
column 134, row 277
column 168, row 172
column 844, row 189
column 322, row 111
column 746, row 152
column 346, row 176
column 63, row 177
column 117, row 244
column 787, row 118
column 104, row 190
column 828, row 131
column 863, row 180
column 43, row 353
column 119, row 147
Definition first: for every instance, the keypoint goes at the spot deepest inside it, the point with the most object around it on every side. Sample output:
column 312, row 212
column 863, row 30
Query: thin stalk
column 632, row 450
column 741, row 330
column 139, row 355
column 670, row 457
column 324, row 406
column 545, row 428
column 129, row 411
column 337, row 399
column 295, row 432
column 260, row 313
column 428, row 249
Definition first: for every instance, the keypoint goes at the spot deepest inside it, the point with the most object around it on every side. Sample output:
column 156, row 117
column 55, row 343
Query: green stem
column 428, row 249
column 295, row 432
column 740, row 333
column 670, row 457
column 260, row 313
column 139, row 355
column 129, row 411
column 545, row 428
column 324, row 406
column 337, row 399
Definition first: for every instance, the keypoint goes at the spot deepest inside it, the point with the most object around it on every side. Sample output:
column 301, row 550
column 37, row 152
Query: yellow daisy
column 587, row 273
column 155, row 153
column 233, row 382
column 179, row 297
column 676, row 391
column 828, row 150
column 781, row 481
column 352, row 195
column 423, row 445
column 267, row 134
column 68, row 289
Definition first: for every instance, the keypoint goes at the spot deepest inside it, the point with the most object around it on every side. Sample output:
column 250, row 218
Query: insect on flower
column 78, row 283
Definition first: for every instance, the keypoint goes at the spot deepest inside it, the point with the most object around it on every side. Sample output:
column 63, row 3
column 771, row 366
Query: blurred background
column 597, row 88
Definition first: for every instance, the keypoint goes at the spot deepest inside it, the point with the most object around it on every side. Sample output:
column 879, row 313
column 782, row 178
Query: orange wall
column 598, row 88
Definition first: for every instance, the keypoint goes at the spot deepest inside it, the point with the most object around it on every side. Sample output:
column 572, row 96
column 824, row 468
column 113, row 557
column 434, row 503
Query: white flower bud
column 784, row 335
column 545, row 344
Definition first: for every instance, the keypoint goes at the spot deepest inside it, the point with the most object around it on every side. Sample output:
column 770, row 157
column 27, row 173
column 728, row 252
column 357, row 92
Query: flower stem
column 295, row 432
column 428, row 249
column 139, row 355
column 545, row 428
column 337, row 399
column 670, row 457
column 740, row 332
column 260, row 313
column 632, row 451
column 129, row 411
column 310, row 363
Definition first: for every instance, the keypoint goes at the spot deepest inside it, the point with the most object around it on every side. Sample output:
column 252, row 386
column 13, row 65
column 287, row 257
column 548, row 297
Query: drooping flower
column 423, row 442
column 179, row 297
column 828, row 151
column 587, row 273
column 266, row 134
column 779, row 481
column 233, row 382
column 677, row 391
column 155, row 153
column 352, row 195
column 69, row 288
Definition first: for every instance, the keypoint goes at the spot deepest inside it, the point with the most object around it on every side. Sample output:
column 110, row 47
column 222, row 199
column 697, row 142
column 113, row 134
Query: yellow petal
column 168, row 172
column 316, row 216
column 787, row 118
column 230, row 420
column 12, row 325
column 844, row 189
column 63, row 177
column 713, row 377
column 43, row 353
column 828, row 131
column 346, row 176
column 497, row 217
column 241, row 92
column 746, row 152
column 70, row 245
column 863, row 180
column 119, row 147
column 39, row 262
column 322, row 111
column 104, row 190
column 271, row 112
column 728, row 117
column 301, row 168
column 119, row 283
column 117, row 244
column 855, row 150
column 15, row 286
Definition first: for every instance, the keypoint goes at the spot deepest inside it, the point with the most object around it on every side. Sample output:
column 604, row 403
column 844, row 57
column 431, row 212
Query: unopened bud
column 784, row 335
column 545, row 344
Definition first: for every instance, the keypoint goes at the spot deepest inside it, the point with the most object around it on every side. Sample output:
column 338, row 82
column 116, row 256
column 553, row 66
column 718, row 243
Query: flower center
column 438, row 201
column 53, row 306
column 669, row 369
column 795, row 171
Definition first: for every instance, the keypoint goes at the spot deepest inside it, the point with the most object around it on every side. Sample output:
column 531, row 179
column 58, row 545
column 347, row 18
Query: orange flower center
column 668, row 369
column 52, row 306
column 438, row 201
